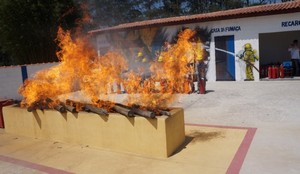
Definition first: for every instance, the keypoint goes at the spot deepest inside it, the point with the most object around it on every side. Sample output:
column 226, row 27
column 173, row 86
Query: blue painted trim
column 24, row 73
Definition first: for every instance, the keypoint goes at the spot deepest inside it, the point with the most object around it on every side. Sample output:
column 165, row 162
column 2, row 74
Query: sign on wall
column 226, row 29
column 291, row 23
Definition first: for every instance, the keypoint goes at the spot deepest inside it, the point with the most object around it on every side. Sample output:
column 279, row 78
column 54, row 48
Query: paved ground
column 273, row 107
column 210, row 150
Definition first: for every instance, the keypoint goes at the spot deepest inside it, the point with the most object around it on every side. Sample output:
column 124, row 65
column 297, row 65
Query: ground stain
column 198, row 136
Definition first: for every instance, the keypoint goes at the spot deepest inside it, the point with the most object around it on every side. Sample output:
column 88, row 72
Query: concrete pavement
column 273, row 107
column 207, row 150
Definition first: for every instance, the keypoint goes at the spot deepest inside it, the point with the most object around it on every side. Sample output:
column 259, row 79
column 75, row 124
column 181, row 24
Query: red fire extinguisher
column 270, row 72
column 202, row 85
column 281, row 71
column 273, row 72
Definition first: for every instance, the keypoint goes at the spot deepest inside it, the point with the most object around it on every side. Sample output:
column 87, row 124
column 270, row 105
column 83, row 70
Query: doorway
column 225, row 58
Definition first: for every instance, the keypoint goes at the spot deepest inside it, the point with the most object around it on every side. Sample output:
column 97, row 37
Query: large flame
column 171, row 72
column 80, row 69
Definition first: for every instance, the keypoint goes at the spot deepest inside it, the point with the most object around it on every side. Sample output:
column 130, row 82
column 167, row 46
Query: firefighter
column 249, row 56
column 160, row 58
column 141, row 57
column 142, row 63
column 189, row 86
column 141, row 60
column 160, row 64
column 200, row 67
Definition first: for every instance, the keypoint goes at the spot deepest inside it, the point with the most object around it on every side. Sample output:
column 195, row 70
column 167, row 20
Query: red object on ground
column 3, row 102
column 270, row 72
column 202, row 86
column 281, row 71
column 274, row 70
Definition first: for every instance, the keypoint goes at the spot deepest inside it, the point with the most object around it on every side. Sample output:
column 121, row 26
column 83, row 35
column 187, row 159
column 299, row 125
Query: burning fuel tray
column 158, row 137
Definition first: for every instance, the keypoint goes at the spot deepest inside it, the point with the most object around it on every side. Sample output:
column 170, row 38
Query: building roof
column 262, row 10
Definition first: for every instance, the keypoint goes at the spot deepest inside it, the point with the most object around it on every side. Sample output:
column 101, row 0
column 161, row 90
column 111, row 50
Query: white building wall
column 32, row 69
column 11, row 78
column 10, row 81
column 250, row 28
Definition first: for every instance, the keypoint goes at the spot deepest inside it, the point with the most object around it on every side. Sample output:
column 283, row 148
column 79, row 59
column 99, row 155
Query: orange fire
column 172, row 72
column 80, row 69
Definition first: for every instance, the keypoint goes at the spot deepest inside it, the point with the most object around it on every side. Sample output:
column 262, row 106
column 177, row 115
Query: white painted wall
column 11, row 79
column 32, row 69
column 250, row 29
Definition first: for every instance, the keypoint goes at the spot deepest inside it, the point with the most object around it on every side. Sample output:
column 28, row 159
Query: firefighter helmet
column 140, row 54
column 247, row 46
column 144, row 60
column 160, row 58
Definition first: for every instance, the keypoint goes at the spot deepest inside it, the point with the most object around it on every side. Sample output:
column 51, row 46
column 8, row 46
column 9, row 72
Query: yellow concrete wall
column 158, row 137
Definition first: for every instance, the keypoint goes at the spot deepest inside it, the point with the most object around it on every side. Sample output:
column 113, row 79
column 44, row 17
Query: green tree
column 150, row 9
column 28, row 28
column 173, row 7
column 205, row 6
column 4, row 59
column 113, row 12
column 107, row 13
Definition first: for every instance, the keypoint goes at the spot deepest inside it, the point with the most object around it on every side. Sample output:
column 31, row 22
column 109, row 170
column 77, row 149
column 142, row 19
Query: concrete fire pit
column 158, row 137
